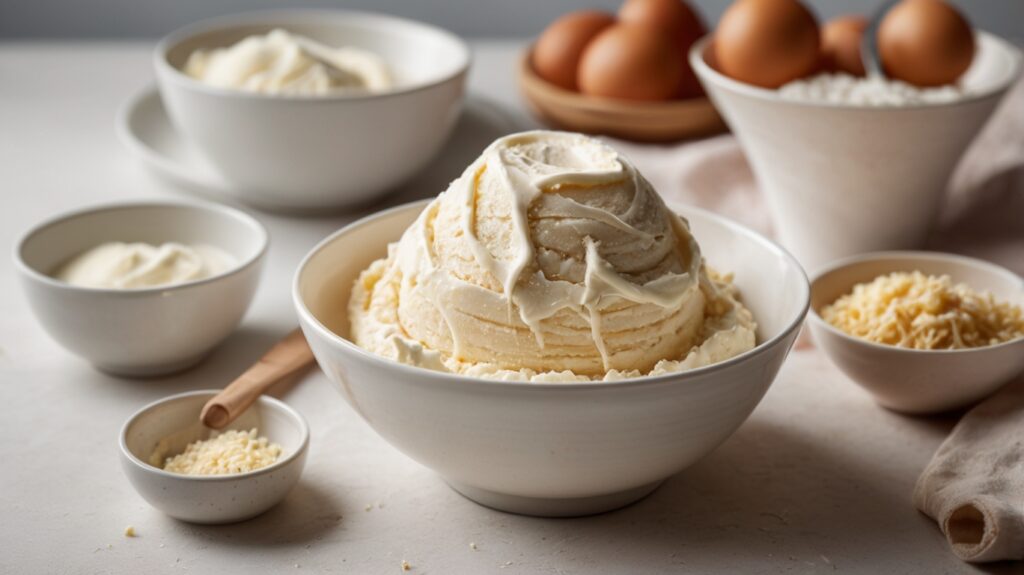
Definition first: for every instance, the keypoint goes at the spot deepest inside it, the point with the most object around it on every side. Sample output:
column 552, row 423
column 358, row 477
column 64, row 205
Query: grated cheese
column 916, row 311
column 229, row 452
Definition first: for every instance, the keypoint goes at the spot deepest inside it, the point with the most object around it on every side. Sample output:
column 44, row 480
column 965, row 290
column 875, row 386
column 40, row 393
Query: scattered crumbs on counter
column 109, row 546
column 162, row 545
column 472, row 546
column 406, row 566
column 129, row 531
column 507, row 564
column 368, row 508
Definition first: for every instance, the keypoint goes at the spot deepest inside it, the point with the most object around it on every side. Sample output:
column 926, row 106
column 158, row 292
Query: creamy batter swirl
column 550, row 258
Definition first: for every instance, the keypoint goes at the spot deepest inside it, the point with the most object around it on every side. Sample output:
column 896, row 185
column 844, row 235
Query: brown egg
column 840, row 44
column 556, row 56
column 679, row 20
column 925, row 43
column 631, row 62
column 767, row 42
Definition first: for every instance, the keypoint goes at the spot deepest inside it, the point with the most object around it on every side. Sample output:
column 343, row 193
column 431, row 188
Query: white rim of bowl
column 128, row 138
column 277, row 403
column 267, row 17
column 25, row 268
column 940, row 257
column 710, row 75
column 439, row 377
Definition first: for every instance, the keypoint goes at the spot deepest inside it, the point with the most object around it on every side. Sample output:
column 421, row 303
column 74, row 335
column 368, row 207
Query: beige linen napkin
column 974, row 485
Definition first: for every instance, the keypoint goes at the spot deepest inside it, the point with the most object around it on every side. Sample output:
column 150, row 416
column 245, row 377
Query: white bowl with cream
column 553, row 449
column 173, row 422
column 163, row 320
column 298, row 147
column 847, row 178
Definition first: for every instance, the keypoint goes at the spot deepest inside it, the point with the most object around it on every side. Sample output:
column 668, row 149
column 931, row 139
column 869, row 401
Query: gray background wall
column 472, row 18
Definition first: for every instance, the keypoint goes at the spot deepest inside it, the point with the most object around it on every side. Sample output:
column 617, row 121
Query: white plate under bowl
column 146, row 130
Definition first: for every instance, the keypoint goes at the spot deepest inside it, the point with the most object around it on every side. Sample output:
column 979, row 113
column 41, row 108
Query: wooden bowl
column 630, row 120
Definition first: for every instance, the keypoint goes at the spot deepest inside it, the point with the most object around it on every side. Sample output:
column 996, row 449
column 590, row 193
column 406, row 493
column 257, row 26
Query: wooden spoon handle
column 286, row 357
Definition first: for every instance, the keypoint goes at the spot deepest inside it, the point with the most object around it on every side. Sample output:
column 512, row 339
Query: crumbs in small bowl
column 226, row 453
column 918, row 311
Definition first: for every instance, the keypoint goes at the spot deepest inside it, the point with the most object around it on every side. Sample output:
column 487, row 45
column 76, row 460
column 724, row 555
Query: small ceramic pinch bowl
column 638, row 121
column 843, row 179
column 552, row 449
column 304, row 153
column 174, row 421
column 910, row 380
column 148, row 331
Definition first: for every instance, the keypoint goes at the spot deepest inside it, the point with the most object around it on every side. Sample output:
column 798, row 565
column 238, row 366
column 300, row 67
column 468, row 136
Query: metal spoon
column 869, row 43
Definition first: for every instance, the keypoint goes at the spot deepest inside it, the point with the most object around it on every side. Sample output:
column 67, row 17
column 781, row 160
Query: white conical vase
column 845, row 179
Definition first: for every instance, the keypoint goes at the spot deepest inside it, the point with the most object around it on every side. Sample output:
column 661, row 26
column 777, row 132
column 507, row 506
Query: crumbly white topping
column 230, row 452
column 869, row 91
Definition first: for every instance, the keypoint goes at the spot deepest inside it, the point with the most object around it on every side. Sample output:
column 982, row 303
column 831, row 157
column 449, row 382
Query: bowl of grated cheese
column 922, row 332
column 199, row 475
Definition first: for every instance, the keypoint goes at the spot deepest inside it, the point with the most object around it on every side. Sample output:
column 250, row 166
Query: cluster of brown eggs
column 638, row 54
column 771, row 42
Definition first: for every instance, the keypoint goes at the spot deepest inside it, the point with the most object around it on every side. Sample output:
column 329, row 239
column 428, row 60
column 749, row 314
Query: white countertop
column 818, row 480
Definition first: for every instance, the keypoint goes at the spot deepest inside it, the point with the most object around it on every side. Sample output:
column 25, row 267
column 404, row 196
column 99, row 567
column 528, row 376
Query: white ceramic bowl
column 311, row 152
column 909, row 380
column 843, row 179
column 151, row 331
column 552, row 449
column 212, row 498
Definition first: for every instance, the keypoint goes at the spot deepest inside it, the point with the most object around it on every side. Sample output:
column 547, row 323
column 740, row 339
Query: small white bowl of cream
column 195, row 474
column 142, row 289
column 303, row 110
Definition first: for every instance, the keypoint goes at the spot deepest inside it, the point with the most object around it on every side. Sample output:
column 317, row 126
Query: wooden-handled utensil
column 288, row 356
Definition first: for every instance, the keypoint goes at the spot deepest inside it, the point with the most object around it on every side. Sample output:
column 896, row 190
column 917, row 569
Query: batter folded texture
column 550, row 259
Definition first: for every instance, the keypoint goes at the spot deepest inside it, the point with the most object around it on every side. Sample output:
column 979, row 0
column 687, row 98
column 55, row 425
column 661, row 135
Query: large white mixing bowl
column 552, row 449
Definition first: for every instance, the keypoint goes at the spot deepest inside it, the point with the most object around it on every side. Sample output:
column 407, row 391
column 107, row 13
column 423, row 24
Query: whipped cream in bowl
column 280, row 62
column 306, row 110
column 550, row 259
column 137, row 265
column 508, row 333
column 141, row 289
